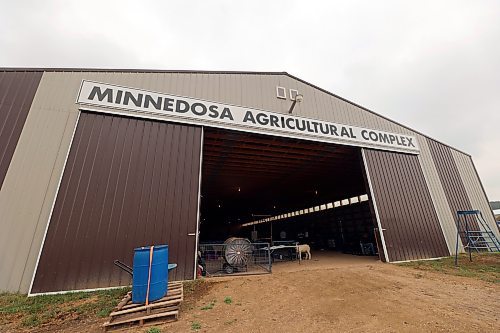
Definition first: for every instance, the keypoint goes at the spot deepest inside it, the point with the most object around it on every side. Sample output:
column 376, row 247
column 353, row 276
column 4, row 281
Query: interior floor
column 324, row 260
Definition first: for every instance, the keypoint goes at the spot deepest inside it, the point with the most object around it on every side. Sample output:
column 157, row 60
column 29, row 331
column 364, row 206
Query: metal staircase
column 482, row 240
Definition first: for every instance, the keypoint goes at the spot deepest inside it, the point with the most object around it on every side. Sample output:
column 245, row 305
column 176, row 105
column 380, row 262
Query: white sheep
column 304, row 248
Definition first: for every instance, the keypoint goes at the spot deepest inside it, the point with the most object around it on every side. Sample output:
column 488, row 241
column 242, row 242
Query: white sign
column 205, row 113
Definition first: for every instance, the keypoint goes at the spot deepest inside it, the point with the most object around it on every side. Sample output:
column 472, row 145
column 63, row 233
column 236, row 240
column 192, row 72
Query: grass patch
column 228, row 300
column 209, row 306
column 153, row 330
column 484, row 266
column 195, row 326
column 31, row 321
column 35, row 311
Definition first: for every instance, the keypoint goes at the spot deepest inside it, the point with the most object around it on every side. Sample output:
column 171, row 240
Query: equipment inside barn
column 235, row 255
column 279, row 193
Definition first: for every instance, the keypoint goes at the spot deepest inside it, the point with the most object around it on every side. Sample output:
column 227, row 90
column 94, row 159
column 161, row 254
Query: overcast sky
column 432, row 65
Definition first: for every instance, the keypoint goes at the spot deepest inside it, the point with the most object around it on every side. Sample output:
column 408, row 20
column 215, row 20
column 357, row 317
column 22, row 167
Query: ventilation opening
column 281, row 92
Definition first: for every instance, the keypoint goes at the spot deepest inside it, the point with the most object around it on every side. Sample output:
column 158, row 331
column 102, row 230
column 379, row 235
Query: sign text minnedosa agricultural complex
column 205, row 113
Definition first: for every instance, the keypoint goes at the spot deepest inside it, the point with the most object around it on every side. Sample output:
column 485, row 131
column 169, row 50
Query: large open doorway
column 284, row 191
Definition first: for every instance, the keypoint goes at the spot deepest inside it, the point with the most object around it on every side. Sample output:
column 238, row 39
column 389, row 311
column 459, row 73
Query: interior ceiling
column 249, row 173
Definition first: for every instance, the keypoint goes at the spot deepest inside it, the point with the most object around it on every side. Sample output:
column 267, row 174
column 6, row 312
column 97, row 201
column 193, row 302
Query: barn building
column 94, row 163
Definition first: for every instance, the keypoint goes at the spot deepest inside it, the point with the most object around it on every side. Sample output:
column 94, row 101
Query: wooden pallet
column 166, row 309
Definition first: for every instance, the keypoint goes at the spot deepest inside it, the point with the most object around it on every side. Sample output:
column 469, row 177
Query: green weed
column 209, row 306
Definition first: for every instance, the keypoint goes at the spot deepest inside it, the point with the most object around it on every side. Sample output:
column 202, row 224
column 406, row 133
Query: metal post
column 271, row 236
column 468, row 238
column 298, row 252
column 269, row 258
column 458, row 232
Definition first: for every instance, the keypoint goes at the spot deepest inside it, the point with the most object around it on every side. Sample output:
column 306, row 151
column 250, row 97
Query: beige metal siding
column 17, row 90
column 474, row 189
column 25, row 197
column 446, row 217
column 449, row 175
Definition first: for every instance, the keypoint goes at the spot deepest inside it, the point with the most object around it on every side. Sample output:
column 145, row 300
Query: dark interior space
column 342, row 229
column 248, row 177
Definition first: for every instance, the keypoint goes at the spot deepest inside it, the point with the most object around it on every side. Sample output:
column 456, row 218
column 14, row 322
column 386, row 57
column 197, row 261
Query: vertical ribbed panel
column 17, row 90
column 446, row 216
column 405, row 207
column 450, row 178
column 474, row 188
column 127, row 183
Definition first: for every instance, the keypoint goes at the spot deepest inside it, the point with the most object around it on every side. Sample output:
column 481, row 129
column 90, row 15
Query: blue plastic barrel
column 159, row 274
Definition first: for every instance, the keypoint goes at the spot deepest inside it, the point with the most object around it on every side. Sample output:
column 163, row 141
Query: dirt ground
column 337, row 293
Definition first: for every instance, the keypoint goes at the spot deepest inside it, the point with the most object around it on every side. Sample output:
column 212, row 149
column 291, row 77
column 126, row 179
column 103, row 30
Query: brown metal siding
column 449, row 175
column 17, row 90
column 405, row 207
column 127, row 183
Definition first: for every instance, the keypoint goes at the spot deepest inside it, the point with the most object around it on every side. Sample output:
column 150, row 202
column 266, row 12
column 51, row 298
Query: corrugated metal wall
column 127, row 183
column 474, row 189
column 450, row 179
column 17, row 90
column 446, row 217
column 405, row 207
column 29, row 188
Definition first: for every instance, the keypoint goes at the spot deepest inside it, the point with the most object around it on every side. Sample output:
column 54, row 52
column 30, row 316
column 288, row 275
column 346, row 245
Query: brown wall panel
column 127, row 183
column 17, row 90
column 449, row 175
column 404, row 206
